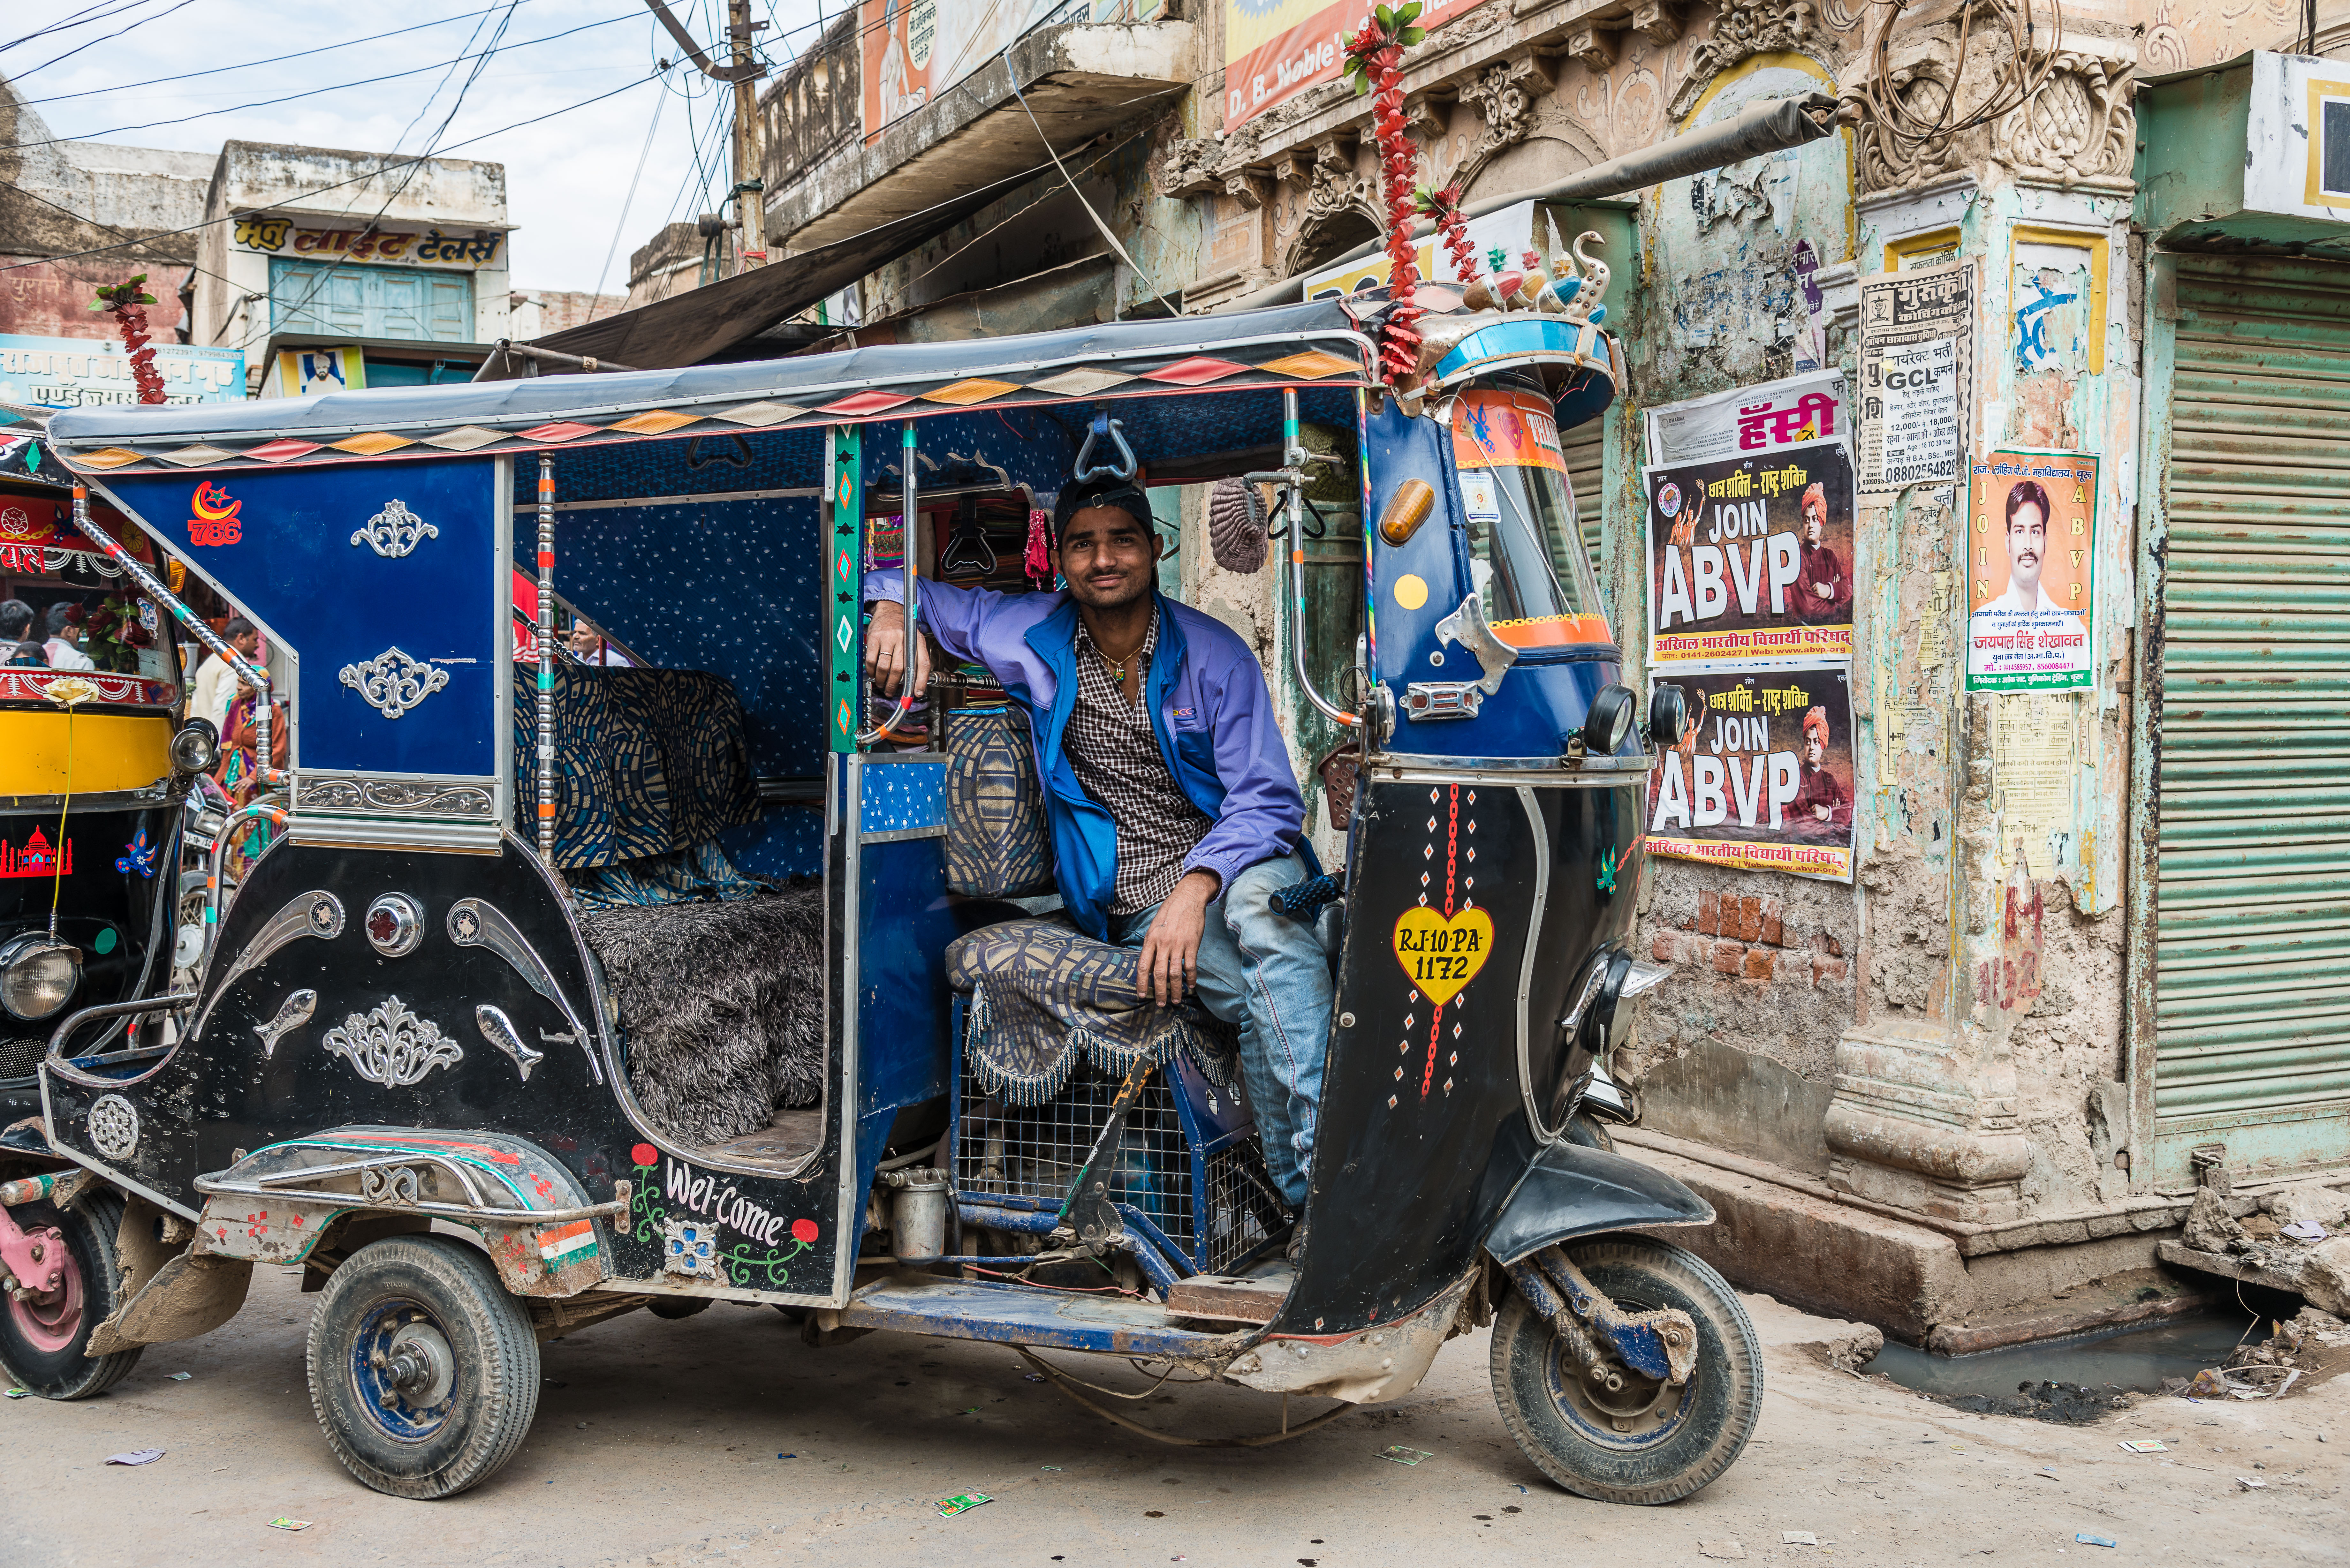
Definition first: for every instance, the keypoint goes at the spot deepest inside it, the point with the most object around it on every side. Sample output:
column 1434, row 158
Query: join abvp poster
column 1749, row 560
column 2032, row 540
column 1763, row 779
column 1275, row 49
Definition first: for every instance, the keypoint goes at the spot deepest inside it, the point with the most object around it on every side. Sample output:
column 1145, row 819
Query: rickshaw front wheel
column 423, row 1371
column 42, row 1337
column 1643, row 1442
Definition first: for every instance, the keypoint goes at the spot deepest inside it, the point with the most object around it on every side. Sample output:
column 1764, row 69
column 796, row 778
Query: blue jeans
column 1269, row 976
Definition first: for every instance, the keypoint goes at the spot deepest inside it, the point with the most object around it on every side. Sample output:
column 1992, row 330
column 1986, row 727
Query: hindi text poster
column 2032, row 543
column 1748, row 420
column 1763, row 780
column 1749, row 560
column 1917, row 329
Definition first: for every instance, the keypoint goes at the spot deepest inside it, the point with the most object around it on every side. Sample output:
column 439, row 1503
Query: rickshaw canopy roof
column 1317, row 345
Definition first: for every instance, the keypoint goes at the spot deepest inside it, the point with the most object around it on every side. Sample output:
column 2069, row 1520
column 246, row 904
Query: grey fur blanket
column 721, row 1007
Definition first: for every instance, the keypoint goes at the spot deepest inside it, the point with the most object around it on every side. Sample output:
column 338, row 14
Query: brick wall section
column 1743, row 936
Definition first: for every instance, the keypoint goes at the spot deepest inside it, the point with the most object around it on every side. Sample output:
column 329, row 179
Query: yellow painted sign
column 1440, row 956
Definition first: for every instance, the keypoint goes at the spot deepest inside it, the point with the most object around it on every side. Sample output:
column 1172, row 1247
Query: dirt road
column 665, row 1443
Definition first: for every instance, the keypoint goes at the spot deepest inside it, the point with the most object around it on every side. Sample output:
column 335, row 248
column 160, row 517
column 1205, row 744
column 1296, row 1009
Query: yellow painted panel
column 111, row 750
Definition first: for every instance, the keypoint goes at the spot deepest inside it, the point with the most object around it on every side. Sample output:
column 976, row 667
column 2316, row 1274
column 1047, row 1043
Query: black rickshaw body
column 403, row 1013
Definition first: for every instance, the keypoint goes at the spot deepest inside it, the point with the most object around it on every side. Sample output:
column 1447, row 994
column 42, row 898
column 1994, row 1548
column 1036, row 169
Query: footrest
column 1230, row 1298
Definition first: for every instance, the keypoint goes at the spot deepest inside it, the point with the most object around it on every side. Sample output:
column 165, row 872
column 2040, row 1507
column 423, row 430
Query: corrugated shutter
column 1586, row 448
column 2253, row 970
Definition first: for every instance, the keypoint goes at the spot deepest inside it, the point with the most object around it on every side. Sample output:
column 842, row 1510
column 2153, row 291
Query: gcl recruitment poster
column 1763, row 779
column 1749, row 560
column 1917, row 329
column 2031, row 542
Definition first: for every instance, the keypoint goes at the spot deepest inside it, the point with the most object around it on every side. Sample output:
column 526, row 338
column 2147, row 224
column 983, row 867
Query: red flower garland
column 1444, row 206
column 128, row 301
column 1375, row 60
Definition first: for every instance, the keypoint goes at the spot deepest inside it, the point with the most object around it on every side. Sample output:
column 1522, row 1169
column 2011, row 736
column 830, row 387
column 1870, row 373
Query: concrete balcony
column 1081, row 80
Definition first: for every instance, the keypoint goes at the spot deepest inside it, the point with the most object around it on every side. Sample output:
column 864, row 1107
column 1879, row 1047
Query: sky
column 567, row 178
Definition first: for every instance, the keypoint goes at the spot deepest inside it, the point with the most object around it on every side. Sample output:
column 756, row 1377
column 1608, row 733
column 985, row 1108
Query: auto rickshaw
column 640, row 971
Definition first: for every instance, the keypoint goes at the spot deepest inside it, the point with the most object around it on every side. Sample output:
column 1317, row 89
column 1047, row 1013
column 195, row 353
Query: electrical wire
column 300, row 196
column 2017, row 81
column 81, row 18
column 253, row 65
column 313, row 92
column 620, row 226
column 108, row 37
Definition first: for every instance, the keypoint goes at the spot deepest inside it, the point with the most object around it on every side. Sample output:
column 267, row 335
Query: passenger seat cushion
column 721, row 1005
column 1045, row 996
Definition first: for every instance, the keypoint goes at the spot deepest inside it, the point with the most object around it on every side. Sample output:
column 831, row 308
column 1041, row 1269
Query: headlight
column 1609, row 720
column 1668, row 715
column 37, row 975
column 196, row 747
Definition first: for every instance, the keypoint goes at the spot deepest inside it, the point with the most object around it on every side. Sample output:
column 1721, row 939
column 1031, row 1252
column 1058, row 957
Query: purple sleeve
column 954, row 616
column 1262, row 813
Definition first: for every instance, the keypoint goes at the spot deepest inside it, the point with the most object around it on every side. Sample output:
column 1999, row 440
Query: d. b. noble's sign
column 1749, row 560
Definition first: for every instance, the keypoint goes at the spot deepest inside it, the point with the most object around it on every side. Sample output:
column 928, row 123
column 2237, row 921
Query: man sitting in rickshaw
column 1175, row 815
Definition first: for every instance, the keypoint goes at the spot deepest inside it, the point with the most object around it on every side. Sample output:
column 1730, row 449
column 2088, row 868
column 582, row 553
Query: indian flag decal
column 558, row 1245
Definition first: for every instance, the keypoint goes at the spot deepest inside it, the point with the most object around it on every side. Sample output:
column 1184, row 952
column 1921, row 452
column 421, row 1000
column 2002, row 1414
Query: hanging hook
column 1126, row 463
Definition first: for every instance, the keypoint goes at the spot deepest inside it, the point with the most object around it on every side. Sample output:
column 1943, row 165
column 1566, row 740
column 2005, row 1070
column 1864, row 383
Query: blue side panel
column 905, row 921
column 287, row 553
column 903, row 797
column 788, row 841
column 689, row 465
column 728, row 586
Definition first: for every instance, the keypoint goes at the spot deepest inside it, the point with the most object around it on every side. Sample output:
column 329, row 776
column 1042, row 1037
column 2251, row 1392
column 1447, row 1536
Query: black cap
column 1123, row 494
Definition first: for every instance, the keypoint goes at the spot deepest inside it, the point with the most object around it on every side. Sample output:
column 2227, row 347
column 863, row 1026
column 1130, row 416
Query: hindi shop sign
column 94, row 372
column 1763, row 780
column 1749, row 560
column 372, row 242
column 1916, row 329
column 2031, row 543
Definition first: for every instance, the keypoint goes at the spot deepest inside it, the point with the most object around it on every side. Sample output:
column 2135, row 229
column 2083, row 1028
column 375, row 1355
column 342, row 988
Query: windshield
column 1525, row 550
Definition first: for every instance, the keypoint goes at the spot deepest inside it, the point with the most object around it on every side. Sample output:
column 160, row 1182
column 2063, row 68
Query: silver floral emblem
column 392, row 682
column 392, row 1046
column 114, row 1127
column 395, row 531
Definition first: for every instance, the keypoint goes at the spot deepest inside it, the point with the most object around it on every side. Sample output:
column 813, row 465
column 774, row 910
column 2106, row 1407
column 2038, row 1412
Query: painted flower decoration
column 804, row 1232
column 644, row 1154
column 68, row 691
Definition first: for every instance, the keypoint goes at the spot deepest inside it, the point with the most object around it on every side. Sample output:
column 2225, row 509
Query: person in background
column 15, row 625
column 215, row 686
column 64, row 646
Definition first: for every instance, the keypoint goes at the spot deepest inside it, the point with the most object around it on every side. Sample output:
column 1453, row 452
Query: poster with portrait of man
column 2032, row 543
column 1751, row 558
column 1763, row 780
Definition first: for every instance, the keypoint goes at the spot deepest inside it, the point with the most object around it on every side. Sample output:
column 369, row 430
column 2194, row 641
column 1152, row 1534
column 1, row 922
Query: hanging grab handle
column 1126, row 463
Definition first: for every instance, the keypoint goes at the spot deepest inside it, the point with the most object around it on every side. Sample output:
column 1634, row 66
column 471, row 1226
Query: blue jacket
column 1209, row 706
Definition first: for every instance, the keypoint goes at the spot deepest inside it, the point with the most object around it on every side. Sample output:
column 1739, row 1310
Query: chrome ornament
column 114, row 1127
column 690, row 1247
column 292, row 1013
column 500, row 1031
column 392, row 682
column 395, row 1185
column 390, row 1045
column 395, row 531
column 394, row 925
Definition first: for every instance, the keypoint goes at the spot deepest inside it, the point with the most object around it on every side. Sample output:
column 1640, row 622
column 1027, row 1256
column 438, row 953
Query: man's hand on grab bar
column 885, row 649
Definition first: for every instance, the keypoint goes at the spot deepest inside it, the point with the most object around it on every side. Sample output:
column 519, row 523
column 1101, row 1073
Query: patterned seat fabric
column 1044, row 995
column 649, row 763
column 998, row 843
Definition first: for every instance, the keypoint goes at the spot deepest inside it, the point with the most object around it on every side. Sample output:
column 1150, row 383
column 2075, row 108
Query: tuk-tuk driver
column 1175, row 815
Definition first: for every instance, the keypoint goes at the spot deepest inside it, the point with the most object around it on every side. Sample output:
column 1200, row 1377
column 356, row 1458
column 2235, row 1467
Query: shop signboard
column 1275, row 49
column 95, row 372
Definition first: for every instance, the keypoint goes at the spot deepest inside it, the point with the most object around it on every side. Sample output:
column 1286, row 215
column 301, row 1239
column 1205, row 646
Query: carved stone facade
column 2078, row 126
column 1741, row 30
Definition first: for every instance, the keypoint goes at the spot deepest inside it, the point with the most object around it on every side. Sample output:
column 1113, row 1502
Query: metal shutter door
column 2252, row 963
column 1585, row 449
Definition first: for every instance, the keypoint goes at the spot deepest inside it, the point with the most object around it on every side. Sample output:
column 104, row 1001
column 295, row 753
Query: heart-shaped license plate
column 1440, row 956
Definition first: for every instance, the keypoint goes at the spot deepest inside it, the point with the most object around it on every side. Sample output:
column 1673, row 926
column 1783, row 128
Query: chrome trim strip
column 316, row 913
column 456, row 836
column 478, row 923
column 844, row 1262
column 1526, row 968
column 210, row 1188
column 690, row 500
column 463, row 796
column 1437, row 771
column 899, row 834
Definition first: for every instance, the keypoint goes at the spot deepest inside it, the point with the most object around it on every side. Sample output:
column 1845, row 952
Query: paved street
column 657, row 1443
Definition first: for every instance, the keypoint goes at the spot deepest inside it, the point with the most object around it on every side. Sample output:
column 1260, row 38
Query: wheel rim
column 403, row 1370
column 1641, row 1413
column 51, row 1323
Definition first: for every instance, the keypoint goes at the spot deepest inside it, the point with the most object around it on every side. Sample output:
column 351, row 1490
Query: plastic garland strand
column 1444, row 206
column 128, row 303
column 1374, row 61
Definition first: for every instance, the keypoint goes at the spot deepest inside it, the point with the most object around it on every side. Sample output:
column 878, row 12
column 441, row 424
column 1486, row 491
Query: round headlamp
column 1668, row 715
column 37, row 974
column 196, row 748
column 1608, row 722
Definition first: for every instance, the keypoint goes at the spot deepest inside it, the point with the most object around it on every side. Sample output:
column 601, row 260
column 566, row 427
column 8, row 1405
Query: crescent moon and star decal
column 213, row 520
column 1441, row 946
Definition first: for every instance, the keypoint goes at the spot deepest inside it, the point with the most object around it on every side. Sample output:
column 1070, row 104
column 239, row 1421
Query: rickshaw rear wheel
column 423, row 1371
column 1645, row 1442
column 41, row 1340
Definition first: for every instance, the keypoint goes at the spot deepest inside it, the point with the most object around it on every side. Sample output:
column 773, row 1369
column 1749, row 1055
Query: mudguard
column 272, row 1205
column 1571, row 1191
